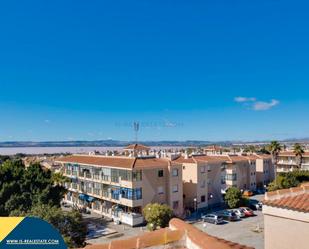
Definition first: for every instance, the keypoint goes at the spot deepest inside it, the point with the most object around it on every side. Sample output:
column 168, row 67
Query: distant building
column 120, row 187
column 178, row 235
column 287, row 161
column 265, row 171
column 286, row 218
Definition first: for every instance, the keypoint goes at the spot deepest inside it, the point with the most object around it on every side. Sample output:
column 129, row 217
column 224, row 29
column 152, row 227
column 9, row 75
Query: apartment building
column 265, row 170
column 286, row 218
column 287, row 161
column 240, row 172
column 206, row 177
column 203, row 180
column 119, row 187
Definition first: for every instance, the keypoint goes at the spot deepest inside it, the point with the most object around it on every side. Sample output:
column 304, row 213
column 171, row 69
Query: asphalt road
column 248, row 231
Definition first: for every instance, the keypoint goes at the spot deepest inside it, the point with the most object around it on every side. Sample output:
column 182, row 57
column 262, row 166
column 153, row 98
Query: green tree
column 69, row 224
column 289, row 180
column 274, row 149
column 157, row 215
column 298, row 151
column 233, row 197
column 22, row 188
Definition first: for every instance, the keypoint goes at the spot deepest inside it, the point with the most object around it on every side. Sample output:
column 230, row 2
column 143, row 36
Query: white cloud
column 244, row 99
column 47, row 121
column 256, row 105
column 262, row 106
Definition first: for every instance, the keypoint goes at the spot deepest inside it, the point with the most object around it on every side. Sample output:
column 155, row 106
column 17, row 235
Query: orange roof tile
column 180, row 235
column 136, row 147
column 202, row 239
column 181, row 159
column 291, row 153
column 114, row 161
column 296, row 199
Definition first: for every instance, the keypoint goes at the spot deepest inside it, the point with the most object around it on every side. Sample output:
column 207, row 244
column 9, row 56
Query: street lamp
column 195, row 207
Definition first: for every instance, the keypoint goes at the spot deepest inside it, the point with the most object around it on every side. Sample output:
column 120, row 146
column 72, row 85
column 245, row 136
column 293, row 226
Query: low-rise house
column 286, row 218
column 120, row 187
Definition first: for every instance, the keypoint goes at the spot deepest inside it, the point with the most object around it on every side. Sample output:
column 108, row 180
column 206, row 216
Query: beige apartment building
column 240, row 172
column 201, row 180
column 287, row 161
column 265, row 171
column 286, row 218
column 207, row 177
column 120, row 187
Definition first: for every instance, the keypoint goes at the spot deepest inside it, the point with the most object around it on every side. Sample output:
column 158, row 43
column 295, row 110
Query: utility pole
column 136, row 129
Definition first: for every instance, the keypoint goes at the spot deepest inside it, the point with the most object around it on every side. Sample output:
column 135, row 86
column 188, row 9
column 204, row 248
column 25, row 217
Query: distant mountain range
column 117, row 143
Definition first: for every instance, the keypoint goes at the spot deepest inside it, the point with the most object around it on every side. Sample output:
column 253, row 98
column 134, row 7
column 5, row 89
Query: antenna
column 136, row 129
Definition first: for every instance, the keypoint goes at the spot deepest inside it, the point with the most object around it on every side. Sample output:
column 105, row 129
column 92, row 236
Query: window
column 175, row 204
column 175, row 188
column 209, row 168
column 160, row 173
column 203, row 184
column 137, row 176
column 96, row 205
column 175, row 172
column 231, row 177
column 203, row 198
column 184, row 167
column 202, row 169
column 223, row 179
column 160, row 190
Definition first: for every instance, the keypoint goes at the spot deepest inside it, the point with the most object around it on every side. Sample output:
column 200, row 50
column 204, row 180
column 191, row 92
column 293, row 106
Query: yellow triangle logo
column 7, row 225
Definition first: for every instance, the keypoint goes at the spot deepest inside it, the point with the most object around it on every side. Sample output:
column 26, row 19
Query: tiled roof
column 181, row 159
column 211, row 158
column 114, row 161
column 178, row 235
column 203, row 240
column 213, row 148
column 291, row 153
column 296, row 199
column 159, row 237
column 136, row 147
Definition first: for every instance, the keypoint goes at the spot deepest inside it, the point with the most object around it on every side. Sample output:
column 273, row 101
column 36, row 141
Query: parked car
column 255, row 205
column 213, row 218
column 229, row 215
column 247, row 211
column 247, row 193
column 239, row 212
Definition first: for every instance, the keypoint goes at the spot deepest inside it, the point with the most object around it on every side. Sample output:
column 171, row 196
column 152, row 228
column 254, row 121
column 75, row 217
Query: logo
column 29, row 233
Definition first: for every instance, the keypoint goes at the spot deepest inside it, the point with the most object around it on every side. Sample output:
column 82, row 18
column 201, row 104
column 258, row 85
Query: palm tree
column 275, row 149
column 298, row 151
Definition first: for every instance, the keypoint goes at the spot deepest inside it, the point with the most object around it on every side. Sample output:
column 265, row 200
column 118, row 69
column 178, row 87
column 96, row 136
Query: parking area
column 101, row 231
column 248, row 231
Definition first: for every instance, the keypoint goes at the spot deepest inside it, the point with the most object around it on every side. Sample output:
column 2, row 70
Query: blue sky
column 205, row 70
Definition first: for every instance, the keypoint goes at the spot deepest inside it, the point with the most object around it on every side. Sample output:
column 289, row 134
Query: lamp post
column 195, row 207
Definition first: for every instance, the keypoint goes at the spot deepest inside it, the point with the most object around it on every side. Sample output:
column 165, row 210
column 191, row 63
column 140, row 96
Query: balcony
column 131, row 219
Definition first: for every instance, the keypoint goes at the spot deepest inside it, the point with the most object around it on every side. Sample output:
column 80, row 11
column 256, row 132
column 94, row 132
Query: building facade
column 286, row 218
column 287, row 161
column 120, row 187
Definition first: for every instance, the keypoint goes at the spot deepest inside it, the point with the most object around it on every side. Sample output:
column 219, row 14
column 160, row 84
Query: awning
column 86, row 198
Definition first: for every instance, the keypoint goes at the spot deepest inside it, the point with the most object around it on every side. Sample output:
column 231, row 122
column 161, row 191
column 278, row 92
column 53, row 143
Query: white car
column 239, row 213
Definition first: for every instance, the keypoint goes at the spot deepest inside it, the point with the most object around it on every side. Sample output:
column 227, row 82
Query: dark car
column 255, row 205
column 229, row 215
column 213, row 218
